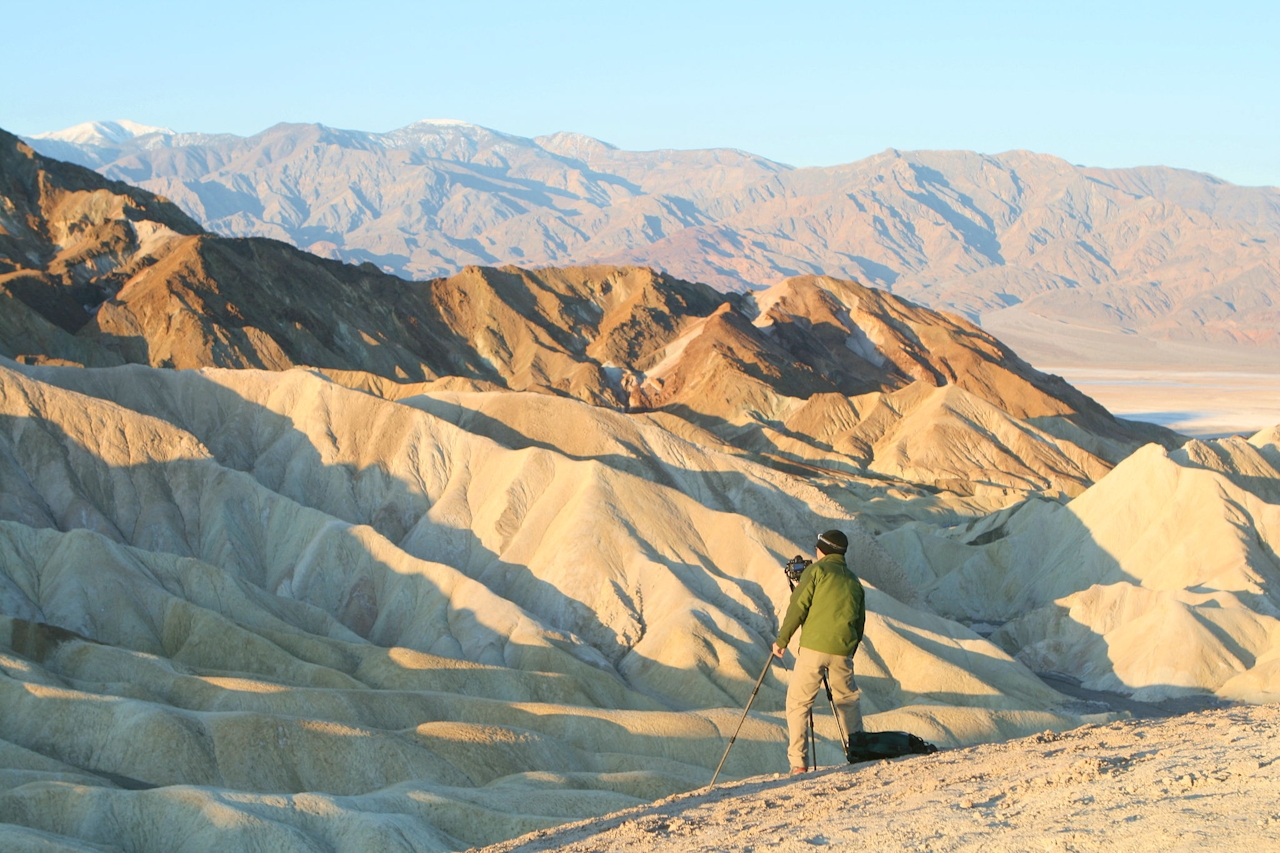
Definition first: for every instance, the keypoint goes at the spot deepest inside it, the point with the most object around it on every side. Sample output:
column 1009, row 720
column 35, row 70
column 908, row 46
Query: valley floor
column 1205, row 781
column 1200, row 404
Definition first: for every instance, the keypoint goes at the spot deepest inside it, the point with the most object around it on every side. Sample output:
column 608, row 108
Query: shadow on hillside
column 479, row 423
column 1101, row 701
column 102, row 486
column 1044, row 626
column 281, row 458
column 981, row 237
column 831, row 478
column 712, row 488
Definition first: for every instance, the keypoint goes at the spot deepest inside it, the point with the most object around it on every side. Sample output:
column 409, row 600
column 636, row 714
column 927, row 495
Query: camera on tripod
column 795, row 567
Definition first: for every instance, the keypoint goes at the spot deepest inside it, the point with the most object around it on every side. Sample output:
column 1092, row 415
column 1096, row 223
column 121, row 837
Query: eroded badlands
column 270, row 624
column 299, row 556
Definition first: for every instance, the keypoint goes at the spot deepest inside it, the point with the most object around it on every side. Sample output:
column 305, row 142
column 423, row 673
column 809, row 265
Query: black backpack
column 873, row 746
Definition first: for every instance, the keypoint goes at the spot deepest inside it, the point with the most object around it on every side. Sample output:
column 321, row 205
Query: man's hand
column 778, row 651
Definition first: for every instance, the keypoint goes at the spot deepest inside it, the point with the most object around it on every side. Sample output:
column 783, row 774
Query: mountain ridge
column 1009, row 240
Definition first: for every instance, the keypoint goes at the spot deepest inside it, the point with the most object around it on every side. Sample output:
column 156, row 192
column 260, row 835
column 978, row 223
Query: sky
column 1193, row 85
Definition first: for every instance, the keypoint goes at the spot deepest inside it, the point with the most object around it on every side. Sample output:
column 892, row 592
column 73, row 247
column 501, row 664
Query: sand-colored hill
column 1158, row 580
column 1028, row 242
column 346, row 620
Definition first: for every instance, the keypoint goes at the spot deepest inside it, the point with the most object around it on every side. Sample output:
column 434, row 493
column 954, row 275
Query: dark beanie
column 833, row 542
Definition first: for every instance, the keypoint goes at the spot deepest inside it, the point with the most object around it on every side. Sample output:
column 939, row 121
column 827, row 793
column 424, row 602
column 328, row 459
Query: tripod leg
column 831, row 700
column 813, row 738
column 768, row 661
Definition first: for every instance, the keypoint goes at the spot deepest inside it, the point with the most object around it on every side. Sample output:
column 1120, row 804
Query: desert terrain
column 299, row 555
column 1201, row 782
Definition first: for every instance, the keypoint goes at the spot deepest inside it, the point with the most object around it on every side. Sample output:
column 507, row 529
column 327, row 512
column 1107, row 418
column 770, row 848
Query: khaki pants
column 806, row 681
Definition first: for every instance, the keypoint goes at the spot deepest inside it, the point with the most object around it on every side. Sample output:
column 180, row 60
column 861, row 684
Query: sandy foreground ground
column 1203, row 781
column 1196, row 403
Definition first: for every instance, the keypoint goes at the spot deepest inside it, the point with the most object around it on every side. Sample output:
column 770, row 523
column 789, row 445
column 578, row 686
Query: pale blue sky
column 1195, row 85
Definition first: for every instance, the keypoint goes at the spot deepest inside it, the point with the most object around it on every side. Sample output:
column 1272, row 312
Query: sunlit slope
column 173, row 617
column 1160, row 579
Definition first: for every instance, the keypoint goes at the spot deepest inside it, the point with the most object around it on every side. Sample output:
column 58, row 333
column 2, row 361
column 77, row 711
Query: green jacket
column 831, row 605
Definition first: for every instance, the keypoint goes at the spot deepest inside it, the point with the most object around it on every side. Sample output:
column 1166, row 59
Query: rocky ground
column 1202, row 781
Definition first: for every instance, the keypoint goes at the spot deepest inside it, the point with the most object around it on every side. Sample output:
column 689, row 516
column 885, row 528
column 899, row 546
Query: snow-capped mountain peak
column 102, row 132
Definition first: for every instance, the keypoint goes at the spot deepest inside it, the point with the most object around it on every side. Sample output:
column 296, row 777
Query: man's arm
column 798, row 609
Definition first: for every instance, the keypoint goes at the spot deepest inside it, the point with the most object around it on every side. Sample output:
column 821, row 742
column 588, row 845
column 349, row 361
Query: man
column 830, row 603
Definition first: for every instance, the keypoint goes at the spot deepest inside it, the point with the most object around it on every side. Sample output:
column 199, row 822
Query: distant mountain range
column 1069, row 264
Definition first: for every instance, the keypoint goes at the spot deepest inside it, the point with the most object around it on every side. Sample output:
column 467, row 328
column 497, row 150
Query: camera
column 795, row 567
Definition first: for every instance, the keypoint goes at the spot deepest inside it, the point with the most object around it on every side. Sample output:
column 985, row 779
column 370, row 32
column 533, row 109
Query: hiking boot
column 795, row 770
